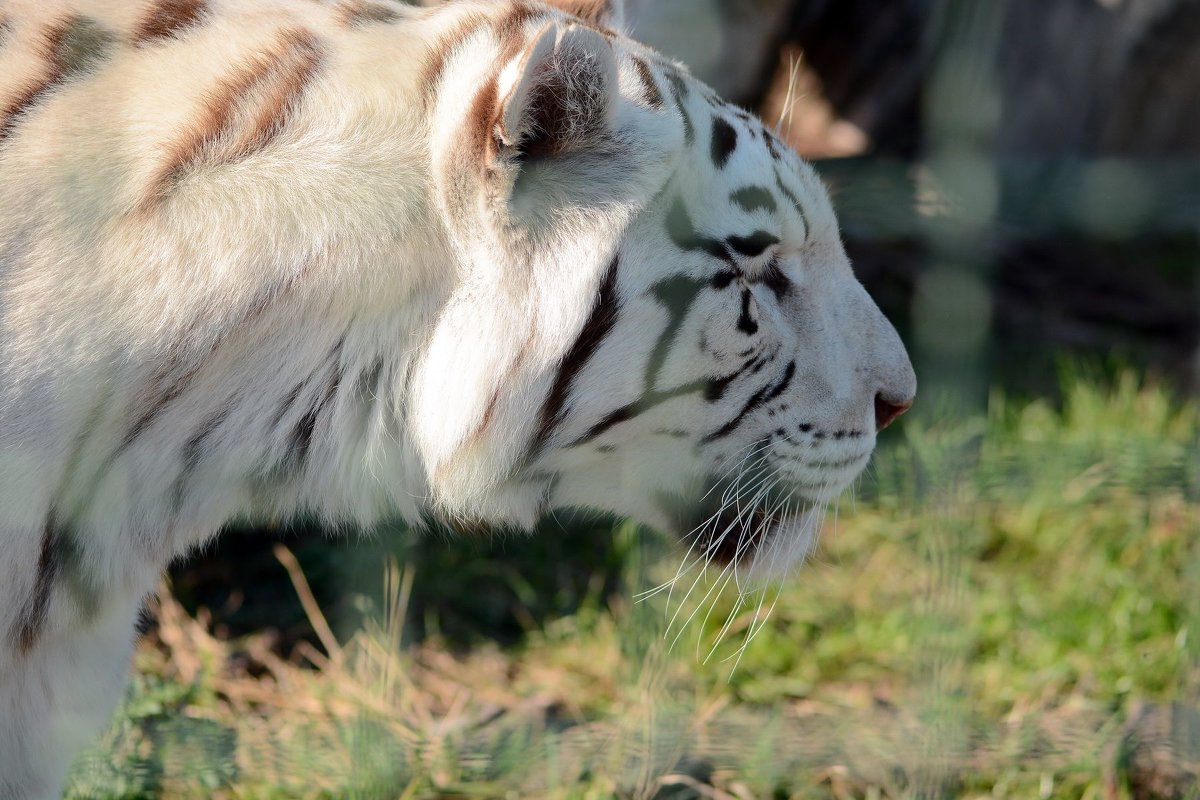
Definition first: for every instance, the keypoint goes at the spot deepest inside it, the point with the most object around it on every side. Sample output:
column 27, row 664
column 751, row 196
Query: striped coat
column 369, row 261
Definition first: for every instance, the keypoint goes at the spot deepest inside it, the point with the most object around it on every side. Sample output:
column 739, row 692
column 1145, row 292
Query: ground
column 1006, row 608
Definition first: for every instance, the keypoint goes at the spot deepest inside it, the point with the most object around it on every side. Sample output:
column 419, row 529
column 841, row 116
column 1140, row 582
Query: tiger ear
column 609, row 13
column 562, row 96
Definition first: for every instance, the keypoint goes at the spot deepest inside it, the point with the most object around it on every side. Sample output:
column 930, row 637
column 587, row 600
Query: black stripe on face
column 754, row 198
column 773, row 146
column 724, row 142
column 712, row 389
column 680, row 92
column 793, row 199
column 746, row 322
column 686, row 237
column 676, row 294
column 599, row 325
column 647, row 402
column 764, row 395
column 753, row 245
column 774, row 279
column 649, row 86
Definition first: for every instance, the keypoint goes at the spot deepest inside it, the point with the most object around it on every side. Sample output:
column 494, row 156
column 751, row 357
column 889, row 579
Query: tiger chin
column 367, row 261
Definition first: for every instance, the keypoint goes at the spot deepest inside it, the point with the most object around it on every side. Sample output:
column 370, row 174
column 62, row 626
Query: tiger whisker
column 721, row 581
column 729, row 572
column 695, row 534
column 729, row 619
column 742, row 595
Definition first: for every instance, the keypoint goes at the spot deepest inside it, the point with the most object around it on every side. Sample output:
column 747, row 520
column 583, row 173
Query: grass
column 1007, row 608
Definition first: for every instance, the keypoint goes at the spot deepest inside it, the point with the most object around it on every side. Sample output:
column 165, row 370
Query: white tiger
column 369, row 261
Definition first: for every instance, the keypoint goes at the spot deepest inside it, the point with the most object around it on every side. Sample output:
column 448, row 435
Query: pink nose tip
column 887, row 411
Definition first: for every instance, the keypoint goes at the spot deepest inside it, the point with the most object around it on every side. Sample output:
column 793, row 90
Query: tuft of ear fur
column 609, row 13
column 562, row 98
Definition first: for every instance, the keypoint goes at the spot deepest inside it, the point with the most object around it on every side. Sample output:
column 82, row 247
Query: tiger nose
column 887, row 409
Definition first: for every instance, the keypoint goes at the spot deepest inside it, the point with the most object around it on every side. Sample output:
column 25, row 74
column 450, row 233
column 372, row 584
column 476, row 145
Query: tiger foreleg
column 64, row 661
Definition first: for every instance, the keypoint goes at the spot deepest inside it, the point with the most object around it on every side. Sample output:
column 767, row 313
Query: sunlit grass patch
column 1006, row 608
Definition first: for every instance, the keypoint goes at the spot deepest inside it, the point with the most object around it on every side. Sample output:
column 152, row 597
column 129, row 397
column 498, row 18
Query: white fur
column 364, row 318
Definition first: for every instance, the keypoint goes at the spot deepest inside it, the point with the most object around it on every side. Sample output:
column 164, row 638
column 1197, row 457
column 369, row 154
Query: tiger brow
column 754, row 198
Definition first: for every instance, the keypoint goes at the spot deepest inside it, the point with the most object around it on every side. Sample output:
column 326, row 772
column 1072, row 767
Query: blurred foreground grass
column 1009, row 607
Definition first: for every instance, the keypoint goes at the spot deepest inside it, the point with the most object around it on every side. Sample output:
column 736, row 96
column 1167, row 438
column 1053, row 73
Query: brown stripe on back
column 439, row 54
column 246, row 112
column 70, row 49
column 513, row 23
column 167, row 19
column 649, row 85
column 482, row 118
column 510, row 30
column 353, row 13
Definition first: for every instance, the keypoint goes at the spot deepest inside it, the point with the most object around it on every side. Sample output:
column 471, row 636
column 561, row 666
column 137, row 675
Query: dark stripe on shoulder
column 70, row 49
column 724, row 142
column 32, row 617
column 754, row 198
column 302, row 434
column 599, row 325
column 273, row 85
column 167, row 19
column 168, row 391
column 176, row 375
column 193, row 453
column 649, row 86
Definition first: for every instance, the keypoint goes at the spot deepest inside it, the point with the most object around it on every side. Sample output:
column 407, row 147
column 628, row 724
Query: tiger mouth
column 734, row 535
column 727, row 531
column 726, row 523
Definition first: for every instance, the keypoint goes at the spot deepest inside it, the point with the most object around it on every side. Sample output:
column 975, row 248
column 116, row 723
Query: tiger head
column 654, row 314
